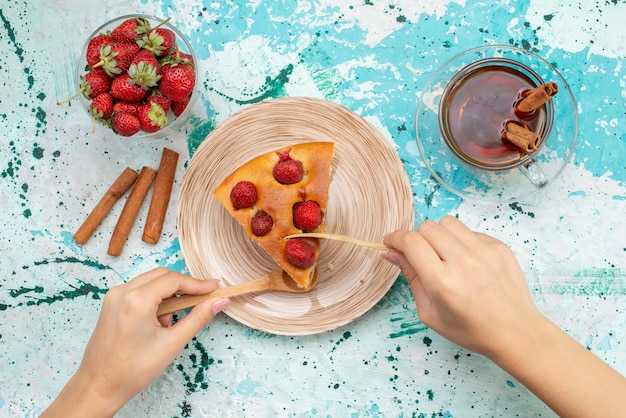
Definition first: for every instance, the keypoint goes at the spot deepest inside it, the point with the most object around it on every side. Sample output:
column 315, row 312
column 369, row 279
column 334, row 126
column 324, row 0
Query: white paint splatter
column 377, row 21
column 579, row 25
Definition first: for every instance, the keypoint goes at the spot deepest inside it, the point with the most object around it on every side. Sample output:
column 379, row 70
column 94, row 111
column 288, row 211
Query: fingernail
column 220, row 305
column 389, row 257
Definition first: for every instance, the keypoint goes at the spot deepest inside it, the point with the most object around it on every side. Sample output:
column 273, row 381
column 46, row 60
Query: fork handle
column 177, row 303
column 344, row 238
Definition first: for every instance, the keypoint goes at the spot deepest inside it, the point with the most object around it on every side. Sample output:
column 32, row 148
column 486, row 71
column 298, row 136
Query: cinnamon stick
column 537, row 97
column 130, row 210
column 100, row 211
column 522, row 137
column 160, row 196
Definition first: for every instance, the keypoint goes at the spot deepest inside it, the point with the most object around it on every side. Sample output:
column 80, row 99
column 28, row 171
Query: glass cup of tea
column 464, row 114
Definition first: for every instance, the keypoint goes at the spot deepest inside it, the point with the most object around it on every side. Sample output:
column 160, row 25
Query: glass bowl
column 175, row 122
column 510, row 184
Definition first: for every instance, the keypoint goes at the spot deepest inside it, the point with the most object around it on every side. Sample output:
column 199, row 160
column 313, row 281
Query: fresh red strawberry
column 125, row 124
column 243, row 195
column 92, row 84
column 124, row 88
column 161, row 41
column 149, row 58
column 177, row 81
column 126, row 107
column 145, row 69
column 287, row 170
column 94, row 46
column 307, row 215
column 261, row 223
column 179, row 107
column 101, row 107
column 184, row 57
column 177, row 57
column 299, row 253
column 115, row 58
column 152, row 117
column 156, row 97
column 130, row 29
column 126, row 62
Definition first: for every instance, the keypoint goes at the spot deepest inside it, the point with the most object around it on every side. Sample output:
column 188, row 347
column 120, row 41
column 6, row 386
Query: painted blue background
column 374, row 58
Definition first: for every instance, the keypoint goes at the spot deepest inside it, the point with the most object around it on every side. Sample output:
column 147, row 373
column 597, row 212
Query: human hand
column 467, row 286
column 130, row 346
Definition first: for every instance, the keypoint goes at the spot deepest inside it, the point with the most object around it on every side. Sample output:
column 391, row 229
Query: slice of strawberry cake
column 280, row 193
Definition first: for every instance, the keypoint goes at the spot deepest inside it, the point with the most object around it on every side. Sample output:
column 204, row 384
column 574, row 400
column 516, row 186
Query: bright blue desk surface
column 373, row 57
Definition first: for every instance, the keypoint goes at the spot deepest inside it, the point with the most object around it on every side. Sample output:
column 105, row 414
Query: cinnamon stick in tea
column 537, row 97
column 522, row 137
column 100, row 211
column 160, row 196
column 130, row 210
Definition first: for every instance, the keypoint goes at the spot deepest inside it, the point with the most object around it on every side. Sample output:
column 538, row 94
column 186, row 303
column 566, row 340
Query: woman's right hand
column 467, row 286
column 470, row 288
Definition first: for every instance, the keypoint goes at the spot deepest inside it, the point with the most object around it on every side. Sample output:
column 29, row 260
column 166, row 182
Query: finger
column 465, row 234
column 400, row 260
column 488, row 239
column 146, row 277
column 443, row 242
column 199, row 317
column 422, row 299
column 166, row 320
column 460, row 231
column 171, row 283
column 415, row 248
column 417, row 257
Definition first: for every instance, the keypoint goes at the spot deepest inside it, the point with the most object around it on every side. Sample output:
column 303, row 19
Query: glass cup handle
column 534, row 174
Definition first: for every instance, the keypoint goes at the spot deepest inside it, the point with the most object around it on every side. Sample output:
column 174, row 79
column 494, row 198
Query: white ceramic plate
column 370, row 196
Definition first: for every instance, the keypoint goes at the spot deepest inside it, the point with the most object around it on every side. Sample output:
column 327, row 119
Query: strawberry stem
column 161, row 24
column 73, row 97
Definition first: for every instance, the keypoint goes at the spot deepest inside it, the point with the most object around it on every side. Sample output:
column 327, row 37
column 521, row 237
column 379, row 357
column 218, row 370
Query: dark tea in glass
column 477, row 105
